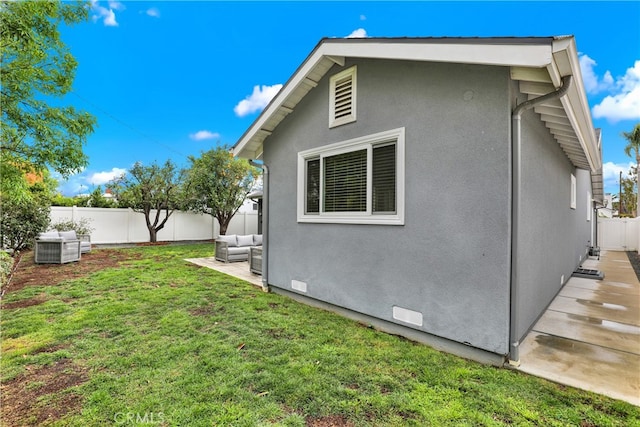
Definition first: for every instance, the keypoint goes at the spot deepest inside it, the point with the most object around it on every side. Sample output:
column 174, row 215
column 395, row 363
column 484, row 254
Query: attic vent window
column 342, row 98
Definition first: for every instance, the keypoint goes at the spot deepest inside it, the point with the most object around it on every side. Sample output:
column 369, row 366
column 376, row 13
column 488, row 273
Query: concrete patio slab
column 238, row 269
column 589, row 337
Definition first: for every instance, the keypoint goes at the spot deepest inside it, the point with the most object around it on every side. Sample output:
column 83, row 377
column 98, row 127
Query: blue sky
column 169, row 79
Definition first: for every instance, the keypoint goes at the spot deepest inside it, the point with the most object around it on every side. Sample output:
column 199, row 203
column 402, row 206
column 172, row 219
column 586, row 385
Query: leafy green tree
column 626, row 209
column 97, row 200
column 6, row 270
column 36, row 66
column 60, row 200
column 41, row 184
column 217, row 184
column 153, row 190
column 633, row 147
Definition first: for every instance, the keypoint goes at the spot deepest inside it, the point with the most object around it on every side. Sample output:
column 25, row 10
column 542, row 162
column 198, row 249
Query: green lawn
column 159, row 341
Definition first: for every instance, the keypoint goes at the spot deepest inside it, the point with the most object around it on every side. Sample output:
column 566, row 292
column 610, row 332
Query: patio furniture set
column 61, row 247
column 233, row 247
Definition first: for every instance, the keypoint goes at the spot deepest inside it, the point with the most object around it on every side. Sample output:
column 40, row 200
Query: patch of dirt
column 21, row 395
column 43, row 394
column 37, row 300
column 206, row 311
column 329, row 421
column 28, row 273
column 152, row 244
column 51, row 348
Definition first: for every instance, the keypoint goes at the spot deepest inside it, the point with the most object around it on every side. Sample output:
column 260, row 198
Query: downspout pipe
column 265, row 223
column 516, row 209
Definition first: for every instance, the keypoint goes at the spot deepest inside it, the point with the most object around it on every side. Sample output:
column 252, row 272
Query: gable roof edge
column 558, row 55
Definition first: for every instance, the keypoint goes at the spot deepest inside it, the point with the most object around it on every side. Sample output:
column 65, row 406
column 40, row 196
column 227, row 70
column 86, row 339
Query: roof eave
column 575, row 103
column 503, row 52
column 557, row 55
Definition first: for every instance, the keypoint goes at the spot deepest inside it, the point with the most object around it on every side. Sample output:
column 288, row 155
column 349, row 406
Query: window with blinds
column 312, row 186
column 342, row 97
column 360, row 180
column 384, row 179
column 345, row 182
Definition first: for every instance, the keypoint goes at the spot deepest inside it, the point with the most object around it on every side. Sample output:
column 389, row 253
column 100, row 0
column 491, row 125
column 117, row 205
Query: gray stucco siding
column 450, row 260
column 554, row 237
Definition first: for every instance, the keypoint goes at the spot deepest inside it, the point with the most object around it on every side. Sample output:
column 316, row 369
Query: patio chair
column 53, row 249
column 255, row 260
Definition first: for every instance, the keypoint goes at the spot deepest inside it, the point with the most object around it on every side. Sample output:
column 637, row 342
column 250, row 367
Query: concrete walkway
column 589, row 337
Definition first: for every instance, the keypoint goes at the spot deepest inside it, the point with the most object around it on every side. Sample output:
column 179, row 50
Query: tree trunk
column 153, row 235
column 223, row 228
column 223, row 221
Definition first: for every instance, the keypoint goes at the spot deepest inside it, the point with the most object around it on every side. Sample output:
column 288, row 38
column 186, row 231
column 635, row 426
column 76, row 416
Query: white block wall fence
column 126, row 226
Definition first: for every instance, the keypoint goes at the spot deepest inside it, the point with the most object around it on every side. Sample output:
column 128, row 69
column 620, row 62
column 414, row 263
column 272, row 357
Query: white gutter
column 516, row 201
column 265, row 223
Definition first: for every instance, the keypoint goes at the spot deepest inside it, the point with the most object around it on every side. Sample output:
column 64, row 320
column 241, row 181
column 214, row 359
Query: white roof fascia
column 559, row 58
column 534, row 55
column 297, row 79
column 575, row 102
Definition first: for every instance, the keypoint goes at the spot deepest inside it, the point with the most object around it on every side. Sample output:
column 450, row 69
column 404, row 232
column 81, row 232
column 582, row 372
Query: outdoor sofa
column 60, row 247
column 235, row 247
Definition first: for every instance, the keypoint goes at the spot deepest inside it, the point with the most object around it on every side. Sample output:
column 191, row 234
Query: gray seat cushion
column 68, row 235
column 238, row 250
column 245, row 240
column 231, row 239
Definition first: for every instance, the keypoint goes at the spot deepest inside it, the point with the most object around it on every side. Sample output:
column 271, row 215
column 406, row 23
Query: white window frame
column 333, row 122
column 573, row 191
column 366, row 217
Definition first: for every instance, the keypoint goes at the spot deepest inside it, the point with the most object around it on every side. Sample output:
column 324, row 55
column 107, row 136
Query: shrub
column 6, row 265
column 80, row 227
column 21, row 221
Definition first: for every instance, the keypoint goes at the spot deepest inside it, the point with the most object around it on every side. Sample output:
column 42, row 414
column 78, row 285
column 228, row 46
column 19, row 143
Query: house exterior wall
column 450, row 261
column 554, row 237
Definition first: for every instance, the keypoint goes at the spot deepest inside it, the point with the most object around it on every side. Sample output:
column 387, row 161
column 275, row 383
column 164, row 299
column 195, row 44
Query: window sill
column 346, row 219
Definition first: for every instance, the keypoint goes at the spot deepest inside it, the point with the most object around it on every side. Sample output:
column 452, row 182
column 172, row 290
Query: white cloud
column 624, row 102
column 203, row 134
column 110, row 19
column 259, row 99
column 100, row 178
column 611, row 173
column 116, row 5
column 107, row 15
column 592, row 83
column 358, row 34
column 153, row 12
